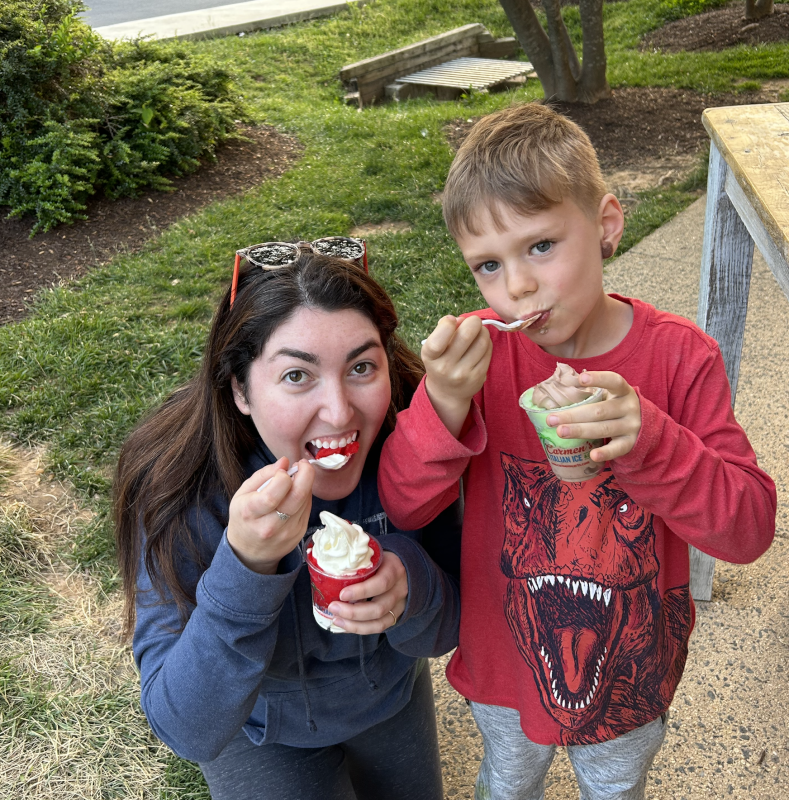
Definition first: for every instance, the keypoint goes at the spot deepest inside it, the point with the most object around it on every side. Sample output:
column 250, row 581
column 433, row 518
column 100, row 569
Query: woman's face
column 321, row 380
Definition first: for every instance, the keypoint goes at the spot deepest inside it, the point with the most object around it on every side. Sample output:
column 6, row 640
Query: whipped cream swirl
column 340, row 548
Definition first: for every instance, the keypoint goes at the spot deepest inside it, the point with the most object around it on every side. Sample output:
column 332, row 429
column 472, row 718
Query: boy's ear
column 238, row 395
column 611, row 219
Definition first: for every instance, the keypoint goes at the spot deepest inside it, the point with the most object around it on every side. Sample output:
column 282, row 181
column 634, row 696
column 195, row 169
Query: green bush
column 79, row 115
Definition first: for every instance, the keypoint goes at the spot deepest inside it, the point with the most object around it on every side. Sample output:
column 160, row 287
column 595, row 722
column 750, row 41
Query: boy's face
column 547, row 263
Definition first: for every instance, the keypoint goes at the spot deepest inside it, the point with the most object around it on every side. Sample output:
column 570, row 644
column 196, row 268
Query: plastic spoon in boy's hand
column 510, row 327
column 334, row 461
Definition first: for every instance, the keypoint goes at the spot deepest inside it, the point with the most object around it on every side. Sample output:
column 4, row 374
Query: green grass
column 25, row 603
column 96, row 356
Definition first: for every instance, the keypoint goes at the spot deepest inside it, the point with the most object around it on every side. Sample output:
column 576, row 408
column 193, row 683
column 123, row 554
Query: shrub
column 78, row 114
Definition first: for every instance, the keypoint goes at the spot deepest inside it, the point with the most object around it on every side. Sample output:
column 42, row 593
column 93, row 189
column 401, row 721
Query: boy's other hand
column 456, row 358
column 617, row 418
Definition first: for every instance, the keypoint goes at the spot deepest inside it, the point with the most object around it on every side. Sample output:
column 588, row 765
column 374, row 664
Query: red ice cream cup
column 326, row 588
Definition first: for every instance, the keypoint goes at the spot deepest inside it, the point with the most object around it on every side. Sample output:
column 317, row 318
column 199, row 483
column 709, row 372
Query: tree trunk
column 533, row 40
column 758, row 9
column 552, row 54
column 594, row 84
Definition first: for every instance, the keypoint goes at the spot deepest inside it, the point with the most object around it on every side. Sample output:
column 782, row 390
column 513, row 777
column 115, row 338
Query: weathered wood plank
column 360, row 68
column 702, row 570
column 726, row 259
column 767, row 247
column 373, row 75
column 747, row 202
column 464, row 73
column 446, row 51
column 727, row 255
column 371, row 85
column 506, row 47
column 754, row 142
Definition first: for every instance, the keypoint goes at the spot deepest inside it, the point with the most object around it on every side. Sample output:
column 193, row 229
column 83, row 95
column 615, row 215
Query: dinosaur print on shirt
column 583, row 604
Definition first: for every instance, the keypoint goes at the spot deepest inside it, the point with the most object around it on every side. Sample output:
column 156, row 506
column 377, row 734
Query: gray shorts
column 514, row 768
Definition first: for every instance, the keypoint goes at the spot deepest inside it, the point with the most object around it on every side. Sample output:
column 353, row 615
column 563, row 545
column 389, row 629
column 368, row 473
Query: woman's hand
column 384, row 592
column 257, row 534
column 456, row 358
column 617, row 418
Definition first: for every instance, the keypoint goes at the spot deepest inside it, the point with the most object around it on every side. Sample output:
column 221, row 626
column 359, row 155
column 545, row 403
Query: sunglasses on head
column 275, row 255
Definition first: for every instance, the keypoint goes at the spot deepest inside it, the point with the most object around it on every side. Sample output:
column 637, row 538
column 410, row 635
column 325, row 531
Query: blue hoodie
column 251, row 654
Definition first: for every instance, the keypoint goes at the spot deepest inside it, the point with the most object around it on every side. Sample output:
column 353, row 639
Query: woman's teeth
column 333, row 444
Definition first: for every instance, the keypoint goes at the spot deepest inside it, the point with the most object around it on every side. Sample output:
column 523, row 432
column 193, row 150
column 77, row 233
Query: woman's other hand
column 260, row 536
column 385, row 594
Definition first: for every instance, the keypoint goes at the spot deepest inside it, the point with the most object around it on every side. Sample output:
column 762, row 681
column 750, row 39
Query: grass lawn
column 93, row 357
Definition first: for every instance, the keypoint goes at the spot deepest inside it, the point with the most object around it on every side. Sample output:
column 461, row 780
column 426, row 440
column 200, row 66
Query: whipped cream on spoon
column 509, row 327
column 334, row 461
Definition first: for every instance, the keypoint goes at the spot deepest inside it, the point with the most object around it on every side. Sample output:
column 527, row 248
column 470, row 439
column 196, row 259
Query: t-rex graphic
column 583, row 604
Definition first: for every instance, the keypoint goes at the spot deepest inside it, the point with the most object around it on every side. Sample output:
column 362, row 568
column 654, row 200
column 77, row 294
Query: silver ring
column 393, row 617
column 282, row 515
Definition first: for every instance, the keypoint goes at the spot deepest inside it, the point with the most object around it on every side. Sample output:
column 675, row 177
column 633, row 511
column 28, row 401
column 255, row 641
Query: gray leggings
column 394, row 760
column 514, row 768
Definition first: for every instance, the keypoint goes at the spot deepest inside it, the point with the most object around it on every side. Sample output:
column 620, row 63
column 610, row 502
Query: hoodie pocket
column 263, row 724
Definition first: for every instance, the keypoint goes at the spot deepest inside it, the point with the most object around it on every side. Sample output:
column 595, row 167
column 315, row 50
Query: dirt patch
column 373, row 229
column 74, row 729
column 27, row 483
column 68, row 251
column 716, row 30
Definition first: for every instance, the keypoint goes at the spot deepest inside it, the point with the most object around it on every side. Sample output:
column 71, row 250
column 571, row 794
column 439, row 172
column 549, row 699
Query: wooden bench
column 366, row 81
column 747, row 204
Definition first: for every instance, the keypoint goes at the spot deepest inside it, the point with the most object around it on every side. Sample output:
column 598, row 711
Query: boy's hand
column 617, row 418
column 456, row 358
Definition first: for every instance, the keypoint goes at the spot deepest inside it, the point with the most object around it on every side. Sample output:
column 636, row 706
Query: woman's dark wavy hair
column 198, row 441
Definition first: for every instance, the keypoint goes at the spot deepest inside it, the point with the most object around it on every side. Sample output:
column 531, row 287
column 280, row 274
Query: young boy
column 575, row 604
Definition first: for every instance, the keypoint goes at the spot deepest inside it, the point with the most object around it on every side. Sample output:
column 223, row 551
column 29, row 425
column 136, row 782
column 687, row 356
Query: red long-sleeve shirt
column 574, row 596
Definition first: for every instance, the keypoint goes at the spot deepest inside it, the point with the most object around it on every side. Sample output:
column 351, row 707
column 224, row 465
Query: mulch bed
column 628, row 129
column 67, row 251
column 715, row 30
column 635, row 125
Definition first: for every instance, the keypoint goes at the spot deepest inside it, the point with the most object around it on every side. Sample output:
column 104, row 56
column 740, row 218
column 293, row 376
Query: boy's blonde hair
column 527, row 158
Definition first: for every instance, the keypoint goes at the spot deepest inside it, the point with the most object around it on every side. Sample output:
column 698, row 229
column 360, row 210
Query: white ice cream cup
column 569, row 458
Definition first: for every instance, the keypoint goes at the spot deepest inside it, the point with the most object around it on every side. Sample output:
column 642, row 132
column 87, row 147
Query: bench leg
column 726, row 260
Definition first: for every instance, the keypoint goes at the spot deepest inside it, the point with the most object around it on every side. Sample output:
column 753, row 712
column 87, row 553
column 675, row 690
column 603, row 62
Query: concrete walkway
column 729, row 725
column 222, row 20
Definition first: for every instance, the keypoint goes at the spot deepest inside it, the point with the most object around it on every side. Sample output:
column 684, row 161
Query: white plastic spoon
column 337, row 460
column 509, row 327
column 518, row 325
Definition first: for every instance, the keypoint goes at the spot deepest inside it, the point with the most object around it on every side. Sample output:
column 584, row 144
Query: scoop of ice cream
column 561, row 389
column 340, row 548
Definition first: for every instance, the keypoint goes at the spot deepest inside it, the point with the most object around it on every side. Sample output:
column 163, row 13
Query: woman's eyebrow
column 310, row 358
column 357, row 351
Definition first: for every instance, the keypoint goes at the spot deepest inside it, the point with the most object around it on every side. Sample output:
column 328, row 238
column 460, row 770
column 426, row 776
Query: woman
column 235, row 672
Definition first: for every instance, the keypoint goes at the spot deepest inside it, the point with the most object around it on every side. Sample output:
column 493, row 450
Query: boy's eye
column 541, row 248
column 487, row 267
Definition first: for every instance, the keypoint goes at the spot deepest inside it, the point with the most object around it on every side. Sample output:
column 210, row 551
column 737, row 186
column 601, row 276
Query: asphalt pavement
column 191, row 19
column 112, row 12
